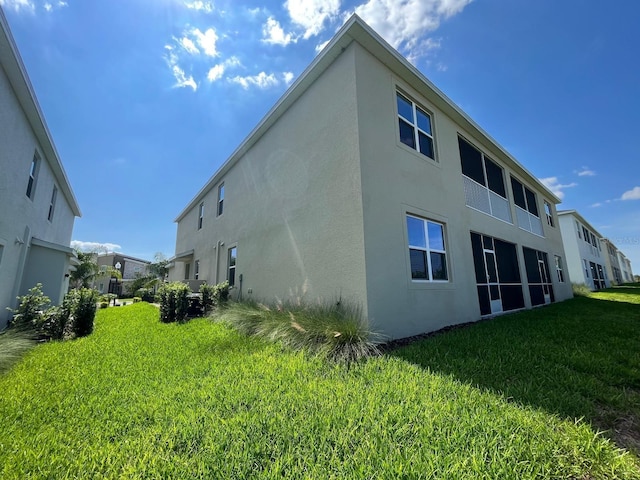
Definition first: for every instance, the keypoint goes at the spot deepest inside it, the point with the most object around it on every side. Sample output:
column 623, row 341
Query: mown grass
column 13, row 345
column 141, row 399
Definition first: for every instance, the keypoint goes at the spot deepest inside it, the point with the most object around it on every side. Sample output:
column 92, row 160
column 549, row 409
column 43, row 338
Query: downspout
column 218, row 244
column 26, row 240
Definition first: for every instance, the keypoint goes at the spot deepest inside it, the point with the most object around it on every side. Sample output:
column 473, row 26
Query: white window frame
column 233, row 267
column 428, row 250
column 531, row 217
column 33, row 176
column 414, row 124
column 549, row 213
column 52, row 204
column 196, row 269
column 559, row 268
column 200, row 215
column 220, row 208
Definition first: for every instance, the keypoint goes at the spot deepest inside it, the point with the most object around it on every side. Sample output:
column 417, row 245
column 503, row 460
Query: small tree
column 86, row 271
column 159, row 267
column 31, row 308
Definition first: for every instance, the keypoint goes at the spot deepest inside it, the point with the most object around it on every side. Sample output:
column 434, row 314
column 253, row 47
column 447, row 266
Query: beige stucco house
column 38, row 207
column 365, row 182
column 129, row 267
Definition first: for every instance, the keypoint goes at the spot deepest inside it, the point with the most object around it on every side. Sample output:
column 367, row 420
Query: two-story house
column 37, row 205
column 129, row 267
column 366, row 183
column 586, row 259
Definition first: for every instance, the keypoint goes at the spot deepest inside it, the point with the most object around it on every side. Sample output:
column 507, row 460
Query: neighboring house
column 612, row 261
column 625, row 266
column 366, row 183
column 38, row 207
column 585, row 257
column 130, row 268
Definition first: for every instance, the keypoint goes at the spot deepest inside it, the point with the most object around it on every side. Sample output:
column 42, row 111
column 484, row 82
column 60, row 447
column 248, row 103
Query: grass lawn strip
column 141, row 399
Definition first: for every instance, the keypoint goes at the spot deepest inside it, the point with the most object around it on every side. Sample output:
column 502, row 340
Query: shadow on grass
column 576, row 359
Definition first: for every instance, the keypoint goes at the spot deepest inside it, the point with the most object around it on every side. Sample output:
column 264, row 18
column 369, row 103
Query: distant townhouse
column 366, row 183
column 585, row 257
column 129, row 267
column 625, row 267
column 38, row 207
column 612, row 261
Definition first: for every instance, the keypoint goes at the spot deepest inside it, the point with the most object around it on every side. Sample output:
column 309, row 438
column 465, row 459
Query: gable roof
column 17, row 74
column 574, row 213
column 356, row 30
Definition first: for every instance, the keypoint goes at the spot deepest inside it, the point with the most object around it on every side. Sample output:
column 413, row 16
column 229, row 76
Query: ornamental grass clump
column 14, row 343
column 336, row 330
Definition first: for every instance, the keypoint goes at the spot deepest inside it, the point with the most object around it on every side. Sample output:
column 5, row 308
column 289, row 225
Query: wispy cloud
column 311, row 15
column 633, row 194
column 596, row 205
column 585, row 172
column 188, row 45
column 94, row 246
column 556, row 187
column 206, row 40
column 273, row 33
column 19, row 5
column 202, row 6
column 182, row 79
column 261, row 80
column 217, row 71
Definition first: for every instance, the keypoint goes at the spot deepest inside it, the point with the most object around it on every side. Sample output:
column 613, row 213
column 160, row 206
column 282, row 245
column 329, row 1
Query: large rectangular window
column 484, row 187
column 427, row 250
column 559, row 269
column 526, row 208
column 33, row 176
column 220, row 199
column 414, row 124
column 231, row 271
column 52, row 204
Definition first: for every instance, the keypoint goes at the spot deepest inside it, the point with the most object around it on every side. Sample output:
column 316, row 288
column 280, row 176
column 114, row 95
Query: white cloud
column 206, row 41
column 312, row 14
column 596, row 205
column 404, row 23
column 633, row 194
column 188, row 45
column 199, row 5
column 273, row 33
column 48, row 7
column 288, row 78
column 261, row 80
column 18, row 5
column 555, row 186
column 94, row 246
column 217, row 71
column 586, row 172
column 321, row 46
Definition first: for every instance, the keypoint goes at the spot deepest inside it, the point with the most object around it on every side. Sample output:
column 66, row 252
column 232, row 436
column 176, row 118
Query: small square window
column 427, row 253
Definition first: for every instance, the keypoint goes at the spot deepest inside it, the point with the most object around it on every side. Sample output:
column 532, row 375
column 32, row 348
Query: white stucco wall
column 293, row 204
column 22, row 218
column 578, row 250
column 398, row 180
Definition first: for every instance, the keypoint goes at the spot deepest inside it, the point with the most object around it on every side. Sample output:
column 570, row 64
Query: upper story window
column 578, row 229
column 197, row 270
column 526, row 208
column 427, row 251
column 484, row 187
column 33, row 176
column 220, row 199
column 414, row 124
column 549, row 213
column 52, row 204
column 200, row 215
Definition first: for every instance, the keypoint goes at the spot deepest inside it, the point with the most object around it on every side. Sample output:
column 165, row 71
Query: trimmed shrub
column 81, row 307
column 208, row 297
column 174, row 302
column 137, row 299
column 221, row 293
column 29, row 313
column 104, row 304
column 145, row 294
column 52, row 323
column 335, row 330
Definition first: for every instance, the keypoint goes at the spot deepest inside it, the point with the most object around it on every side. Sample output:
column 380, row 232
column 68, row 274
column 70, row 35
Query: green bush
column 208, row 297
column 336, row 330
column 221, row 293
column 145, row 294
column 137, row 299
column 80, row 304
column 104, row 304
column 29, row 313
column 52, row 323
column 174, row 302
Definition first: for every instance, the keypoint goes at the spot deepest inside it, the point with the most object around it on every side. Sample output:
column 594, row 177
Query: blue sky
column 147, row 98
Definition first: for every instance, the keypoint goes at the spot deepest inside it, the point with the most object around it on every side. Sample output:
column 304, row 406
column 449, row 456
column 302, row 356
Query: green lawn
column 521, row 396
